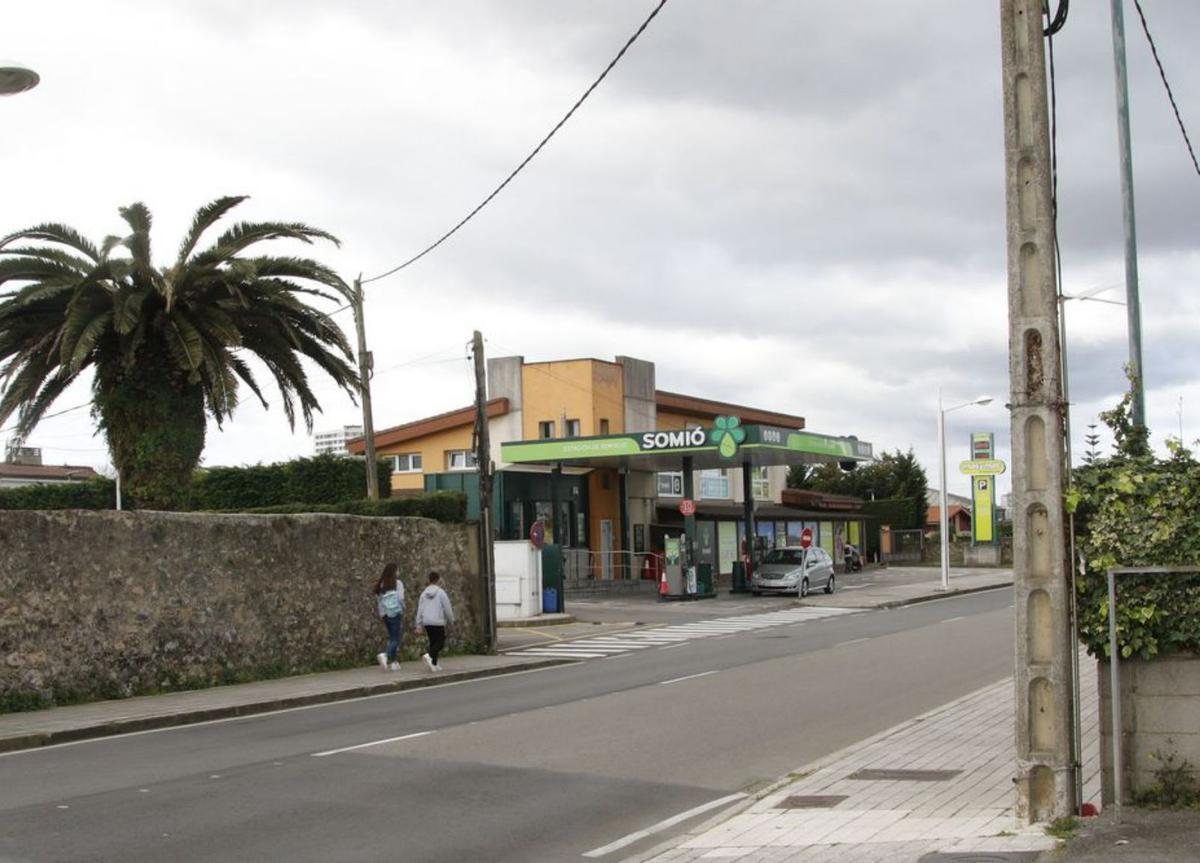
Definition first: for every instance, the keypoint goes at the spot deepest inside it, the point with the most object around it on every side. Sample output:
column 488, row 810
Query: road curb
column 535, row 622
column 36, row 740
column 930, row 597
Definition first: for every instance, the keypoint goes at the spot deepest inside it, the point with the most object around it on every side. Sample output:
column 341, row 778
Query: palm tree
column 168, row 346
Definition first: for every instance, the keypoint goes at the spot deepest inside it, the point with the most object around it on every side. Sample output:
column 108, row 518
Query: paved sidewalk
column 27, row 730
column 846, row 809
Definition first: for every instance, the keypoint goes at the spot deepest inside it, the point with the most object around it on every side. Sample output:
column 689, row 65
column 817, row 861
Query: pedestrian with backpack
column 389, row 603
column 434, row 614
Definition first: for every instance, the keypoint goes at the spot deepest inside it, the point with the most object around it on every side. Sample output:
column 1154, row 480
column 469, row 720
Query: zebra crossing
column 600, row 646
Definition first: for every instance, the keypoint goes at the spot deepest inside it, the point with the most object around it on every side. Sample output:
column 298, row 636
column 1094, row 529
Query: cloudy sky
column 793, row 205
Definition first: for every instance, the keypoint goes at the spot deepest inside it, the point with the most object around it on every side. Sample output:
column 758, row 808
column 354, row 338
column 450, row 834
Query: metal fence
column 584, row 567
column 907, row 545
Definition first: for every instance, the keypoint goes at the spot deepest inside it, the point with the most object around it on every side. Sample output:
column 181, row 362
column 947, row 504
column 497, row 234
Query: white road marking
column 852, row 641
column 372, row 743
column 688, row 677
column 952, row 619
column 662, row 825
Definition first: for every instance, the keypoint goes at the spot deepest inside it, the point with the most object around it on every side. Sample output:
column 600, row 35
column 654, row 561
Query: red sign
column 687, row 506
column 806, row 538
column 537, row 533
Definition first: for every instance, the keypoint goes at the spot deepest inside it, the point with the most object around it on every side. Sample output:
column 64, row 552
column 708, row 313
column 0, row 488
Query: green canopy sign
column 727, row 441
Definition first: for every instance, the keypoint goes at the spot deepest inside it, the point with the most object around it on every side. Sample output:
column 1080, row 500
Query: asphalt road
column 543, row 765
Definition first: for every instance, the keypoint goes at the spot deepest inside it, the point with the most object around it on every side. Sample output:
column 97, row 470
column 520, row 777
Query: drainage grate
column 980, row 857
column 906, row 775
column 811, row 801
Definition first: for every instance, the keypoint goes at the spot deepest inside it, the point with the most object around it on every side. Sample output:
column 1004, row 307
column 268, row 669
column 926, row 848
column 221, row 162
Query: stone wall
column 1160, row 713
column 108, row 604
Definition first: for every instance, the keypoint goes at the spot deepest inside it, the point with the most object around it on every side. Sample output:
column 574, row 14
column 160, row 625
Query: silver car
column 794, row 570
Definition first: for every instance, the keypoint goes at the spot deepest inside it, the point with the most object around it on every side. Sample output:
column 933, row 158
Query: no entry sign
column 806, row 538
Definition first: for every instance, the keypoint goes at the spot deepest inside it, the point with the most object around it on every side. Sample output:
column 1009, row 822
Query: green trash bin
column 739, row 577
column 704, row 580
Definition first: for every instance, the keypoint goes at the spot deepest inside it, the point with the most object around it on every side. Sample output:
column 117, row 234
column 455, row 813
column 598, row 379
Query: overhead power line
column 528, row 158
column 1162, row 74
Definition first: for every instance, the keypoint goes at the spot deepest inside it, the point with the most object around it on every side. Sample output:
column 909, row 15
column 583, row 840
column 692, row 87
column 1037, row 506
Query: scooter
column 852, row 559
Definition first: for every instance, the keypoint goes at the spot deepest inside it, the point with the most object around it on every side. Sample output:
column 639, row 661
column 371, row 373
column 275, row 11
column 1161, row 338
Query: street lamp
column 15, row 78
column 943, row 527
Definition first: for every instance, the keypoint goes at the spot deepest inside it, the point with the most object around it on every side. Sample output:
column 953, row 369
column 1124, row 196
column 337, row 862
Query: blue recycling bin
column 550, row 600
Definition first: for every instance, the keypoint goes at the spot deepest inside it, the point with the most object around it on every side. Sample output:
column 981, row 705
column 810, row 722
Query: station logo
column 727, row 435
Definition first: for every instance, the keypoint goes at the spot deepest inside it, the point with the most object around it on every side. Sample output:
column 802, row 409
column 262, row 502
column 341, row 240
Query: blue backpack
column 392, row 603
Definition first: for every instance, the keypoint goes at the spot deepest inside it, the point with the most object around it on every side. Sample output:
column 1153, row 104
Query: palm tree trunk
column 155, row 428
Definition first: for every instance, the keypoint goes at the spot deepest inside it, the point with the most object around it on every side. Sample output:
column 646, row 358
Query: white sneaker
column 437, row 667
column 382, row 660
column 428, row 661
column 395, row 666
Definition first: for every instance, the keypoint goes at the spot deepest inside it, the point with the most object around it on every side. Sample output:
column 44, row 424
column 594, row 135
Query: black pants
column 437, row 640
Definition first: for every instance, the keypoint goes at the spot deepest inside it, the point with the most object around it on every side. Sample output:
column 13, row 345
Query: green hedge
column 446, row 506
column 98, row 493
column 324, row 479
column 1133, row 509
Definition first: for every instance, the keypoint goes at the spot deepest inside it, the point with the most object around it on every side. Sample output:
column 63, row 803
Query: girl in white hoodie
column 433, row 614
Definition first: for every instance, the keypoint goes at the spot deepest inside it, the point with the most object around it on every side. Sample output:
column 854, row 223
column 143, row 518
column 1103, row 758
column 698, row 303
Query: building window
column 670, row 484
column 572, row 429
column 714, row 484
column 546, row 429
column 760, row 484
column 460, row 459
column 409, row 462
column 603, row 426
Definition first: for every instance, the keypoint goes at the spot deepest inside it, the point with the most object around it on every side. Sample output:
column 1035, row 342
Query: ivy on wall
column 1135, row 509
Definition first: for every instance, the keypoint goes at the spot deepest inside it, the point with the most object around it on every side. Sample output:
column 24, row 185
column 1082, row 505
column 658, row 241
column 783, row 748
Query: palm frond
column 245, row 234
column 52, row 232
column 32, row 411
column 205, row 218
column 137, row 216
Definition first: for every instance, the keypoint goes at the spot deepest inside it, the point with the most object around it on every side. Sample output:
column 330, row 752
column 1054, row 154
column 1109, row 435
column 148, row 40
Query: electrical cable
column 1162, row 74
column 49, row 416
column 1059, row 19
column 528, row 158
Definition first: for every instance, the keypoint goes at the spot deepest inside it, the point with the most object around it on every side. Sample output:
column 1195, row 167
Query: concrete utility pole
column 1044, row 687
column 1133, row 306
column 366, row 365
column 483, row 458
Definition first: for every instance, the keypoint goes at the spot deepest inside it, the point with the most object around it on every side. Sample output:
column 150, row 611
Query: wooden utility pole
column 1045, row 775
column 483, row 459
column 366, row 366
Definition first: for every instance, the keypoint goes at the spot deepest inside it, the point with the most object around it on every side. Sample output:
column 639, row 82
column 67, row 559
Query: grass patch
column 1063, row 828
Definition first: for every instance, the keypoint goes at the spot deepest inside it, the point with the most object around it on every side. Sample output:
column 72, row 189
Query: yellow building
column 614, row 516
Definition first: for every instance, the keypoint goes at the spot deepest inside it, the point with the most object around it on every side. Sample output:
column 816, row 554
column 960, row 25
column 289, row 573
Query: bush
column 1133, row 509
column 98, row 493
column 324, row 479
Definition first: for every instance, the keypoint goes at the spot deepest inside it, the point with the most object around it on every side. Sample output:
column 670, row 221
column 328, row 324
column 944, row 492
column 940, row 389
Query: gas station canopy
column 726, row 444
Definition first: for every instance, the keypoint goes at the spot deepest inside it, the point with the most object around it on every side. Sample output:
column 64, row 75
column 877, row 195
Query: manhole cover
column 906, row 775
column 811, row 801
column 979, row 857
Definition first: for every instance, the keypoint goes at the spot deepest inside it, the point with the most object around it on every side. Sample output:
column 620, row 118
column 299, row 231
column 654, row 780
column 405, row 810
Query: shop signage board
column 983, row 468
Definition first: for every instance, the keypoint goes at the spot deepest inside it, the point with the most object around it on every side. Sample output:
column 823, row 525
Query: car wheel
column 803, row 588
column 829, row 585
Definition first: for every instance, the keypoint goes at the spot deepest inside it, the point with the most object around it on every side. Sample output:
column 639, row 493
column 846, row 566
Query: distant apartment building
column 334, row 442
